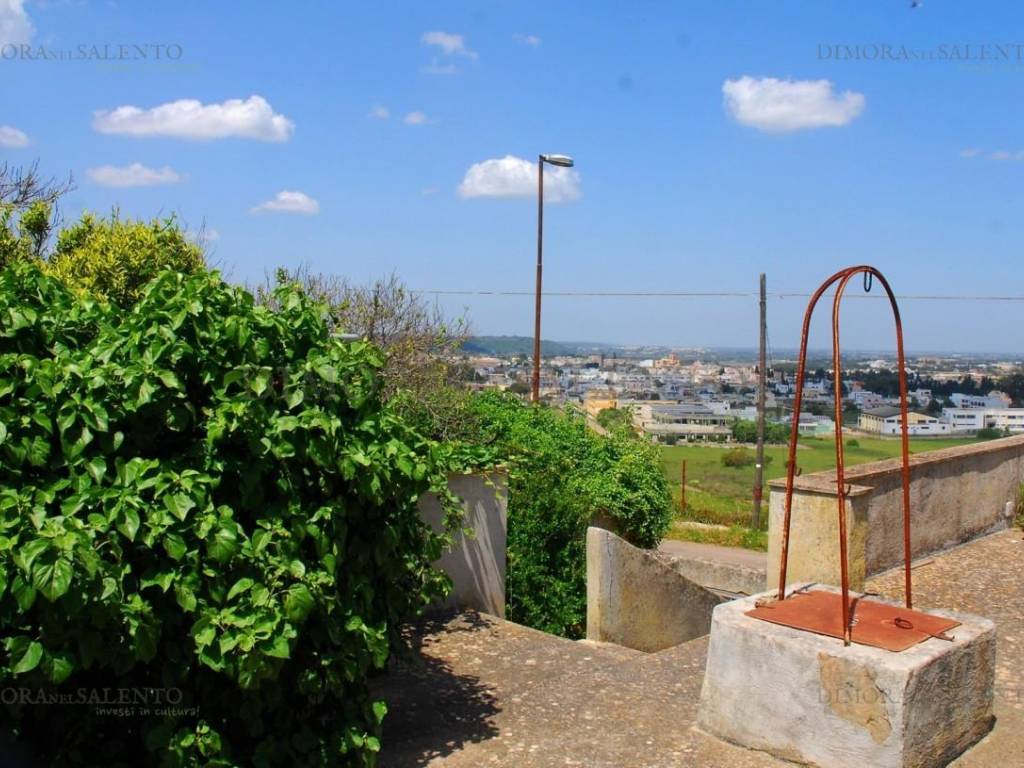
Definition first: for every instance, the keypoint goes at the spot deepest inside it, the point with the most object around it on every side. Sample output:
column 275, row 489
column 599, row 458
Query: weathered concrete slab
column 810, row 699
column 636, row 599
column 728, row 569
column 476, row 563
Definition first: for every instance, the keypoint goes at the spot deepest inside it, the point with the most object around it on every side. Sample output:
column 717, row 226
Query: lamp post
column 563, row 161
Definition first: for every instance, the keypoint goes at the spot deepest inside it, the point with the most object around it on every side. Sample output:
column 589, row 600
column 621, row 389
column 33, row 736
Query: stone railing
column 956, row 494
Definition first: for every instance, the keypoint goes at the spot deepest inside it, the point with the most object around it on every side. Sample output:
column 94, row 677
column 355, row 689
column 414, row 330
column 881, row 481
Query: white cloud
column 190, row 119
column 531, row 40
column 134, row 175
column 427, row 191
column 449, row 43
column 12, row 137
column 203, row 236
column 416, row 118
column 1001, row 155
column 436, row 68
column 289, row 202
column 970, row 152
column 379, row 112
column 781, row 106
column 15, row 26
column 512, row 176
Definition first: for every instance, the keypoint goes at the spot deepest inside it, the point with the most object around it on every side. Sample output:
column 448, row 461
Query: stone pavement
column 485, row 692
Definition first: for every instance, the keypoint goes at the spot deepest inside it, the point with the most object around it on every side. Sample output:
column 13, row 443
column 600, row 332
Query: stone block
column 637, row 600
column 810, row 699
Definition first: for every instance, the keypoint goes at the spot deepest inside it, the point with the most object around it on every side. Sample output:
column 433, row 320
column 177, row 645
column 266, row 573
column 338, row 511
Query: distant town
column 709, row 395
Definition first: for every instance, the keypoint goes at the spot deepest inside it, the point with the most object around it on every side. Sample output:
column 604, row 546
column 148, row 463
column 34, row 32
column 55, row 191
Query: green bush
column 853, row 444
column 738, row 457
column 614, row 419
column 744, row 431
column 561, row 476
column 23, row 237
column 204, row 498
column 115, row 258
column 989, row 433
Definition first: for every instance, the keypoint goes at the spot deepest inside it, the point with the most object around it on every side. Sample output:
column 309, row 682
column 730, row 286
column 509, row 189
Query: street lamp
column 563, row 161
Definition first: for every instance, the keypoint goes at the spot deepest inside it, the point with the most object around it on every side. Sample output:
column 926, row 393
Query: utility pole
column 762, row 380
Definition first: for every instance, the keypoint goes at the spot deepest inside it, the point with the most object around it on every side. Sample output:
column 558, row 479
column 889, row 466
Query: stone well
column 808, row 698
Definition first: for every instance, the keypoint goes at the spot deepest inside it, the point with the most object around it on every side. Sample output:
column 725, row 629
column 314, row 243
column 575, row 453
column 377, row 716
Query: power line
column 714, row 295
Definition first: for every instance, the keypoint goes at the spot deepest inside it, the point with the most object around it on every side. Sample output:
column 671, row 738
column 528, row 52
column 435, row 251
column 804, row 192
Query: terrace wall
column 476, row 563
column 956, row 494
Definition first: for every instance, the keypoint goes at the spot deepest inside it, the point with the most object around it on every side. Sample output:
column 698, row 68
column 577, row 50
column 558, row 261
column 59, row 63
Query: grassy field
column 722, row 495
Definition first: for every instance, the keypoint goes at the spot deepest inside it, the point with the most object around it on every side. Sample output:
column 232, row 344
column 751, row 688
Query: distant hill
column 504, row 346
column 507, row 346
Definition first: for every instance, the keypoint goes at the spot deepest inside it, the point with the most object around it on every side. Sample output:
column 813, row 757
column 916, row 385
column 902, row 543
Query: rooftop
column 884, row 412
column 485, row 692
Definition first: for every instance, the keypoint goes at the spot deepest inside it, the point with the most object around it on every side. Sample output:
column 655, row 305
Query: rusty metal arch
column 843, row 278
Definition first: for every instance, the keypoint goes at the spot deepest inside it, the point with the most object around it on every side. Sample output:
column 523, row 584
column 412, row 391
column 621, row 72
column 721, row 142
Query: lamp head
column 561, row 160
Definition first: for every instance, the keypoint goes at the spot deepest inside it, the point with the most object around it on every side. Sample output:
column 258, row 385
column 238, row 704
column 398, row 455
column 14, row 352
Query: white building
column 991, row 400
column 866, row 400
column 922, row 396
column 886, row 421
column 973, row 419
column 685, row 421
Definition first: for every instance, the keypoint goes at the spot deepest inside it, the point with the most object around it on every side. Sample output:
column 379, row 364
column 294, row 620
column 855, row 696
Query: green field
column 722, row 495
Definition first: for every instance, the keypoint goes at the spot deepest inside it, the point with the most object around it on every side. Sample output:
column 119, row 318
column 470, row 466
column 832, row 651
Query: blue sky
column 713, row 141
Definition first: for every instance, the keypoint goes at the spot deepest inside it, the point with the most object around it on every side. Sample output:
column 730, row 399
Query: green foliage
column 614, row 419
column 115, row 258
column 563, row 475
column 853, row 443
column 989, row 433
column 738, row 457
column 23, row 237
column 207, row 498
column 519, row 388
column 744, row 431
column 732, row 536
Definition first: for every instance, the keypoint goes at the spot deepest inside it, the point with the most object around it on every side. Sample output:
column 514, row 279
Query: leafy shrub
column 853, row 444
column 614, row 419
column 206, row 498
column 115, row 258
column 738, row 457
column 562, row 475
column 989, row 433
column 23, row 237
column 744, row 431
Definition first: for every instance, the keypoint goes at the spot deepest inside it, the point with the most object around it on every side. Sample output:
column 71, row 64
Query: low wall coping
column 824, row 482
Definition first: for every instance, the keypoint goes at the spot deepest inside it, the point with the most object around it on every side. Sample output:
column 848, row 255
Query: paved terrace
column 486, row 692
